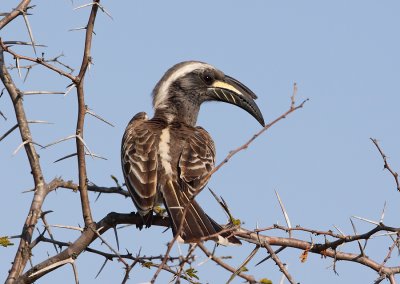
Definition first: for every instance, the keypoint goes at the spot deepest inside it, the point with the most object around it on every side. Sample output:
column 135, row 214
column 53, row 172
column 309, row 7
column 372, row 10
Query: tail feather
column 196, row 224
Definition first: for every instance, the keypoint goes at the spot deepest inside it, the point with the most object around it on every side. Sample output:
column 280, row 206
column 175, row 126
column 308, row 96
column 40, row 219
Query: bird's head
column 185, row 86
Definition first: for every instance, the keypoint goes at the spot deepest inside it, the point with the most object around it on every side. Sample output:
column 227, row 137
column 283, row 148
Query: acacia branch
column 326, row 249
column 23, row 5
column 23, row 252
column 37, row 60
column 80, row 147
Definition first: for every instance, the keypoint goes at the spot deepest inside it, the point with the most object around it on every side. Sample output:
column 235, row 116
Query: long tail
column 197, row 224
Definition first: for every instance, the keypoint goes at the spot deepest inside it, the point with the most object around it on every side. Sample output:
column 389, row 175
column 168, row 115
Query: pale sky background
column 344, row 56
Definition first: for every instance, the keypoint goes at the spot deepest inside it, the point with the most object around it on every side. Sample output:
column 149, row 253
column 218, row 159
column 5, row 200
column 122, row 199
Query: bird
column 168, row 159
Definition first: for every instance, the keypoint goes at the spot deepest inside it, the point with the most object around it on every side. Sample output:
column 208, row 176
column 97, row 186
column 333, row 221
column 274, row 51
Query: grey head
column 186, row 85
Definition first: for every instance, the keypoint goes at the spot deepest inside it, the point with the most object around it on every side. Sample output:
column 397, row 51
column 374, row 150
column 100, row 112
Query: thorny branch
column 326, row 249
column 87, row 215
column 386, row 164
column 41, row 188
column 220, row 262
column 93, row 230
column 23, row 253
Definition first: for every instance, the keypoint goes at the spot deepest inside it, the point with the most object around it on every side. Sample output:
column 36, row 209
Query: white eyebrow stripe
column 162, row 93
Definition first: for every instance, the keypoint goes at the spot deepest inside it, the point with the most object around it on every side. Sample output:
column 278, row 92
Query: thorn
column 8, row 132
column 383, row 213
column 84, row 144
column 116, row 237
column 17, row 64
column 65, row 157
column 245, row 262
column 340, row 231
column 5, row 118
column 100, row 7
column 366, row 220
column 69, row 88
column 41, row 93
column 75, row 272
column 358, row 241
column 77, row 29
column 17, row 42
column 61, row 140
column 99, row 117
column 285, row 214
column 101, row 268
column 75, row 154
column 20, row 146
column 68, row 227
column 24, row 15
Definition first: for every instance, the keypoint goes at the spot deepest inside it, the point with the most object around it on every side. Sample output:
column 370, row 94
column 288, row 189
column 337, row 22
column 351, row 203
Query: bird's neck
column 178, row 113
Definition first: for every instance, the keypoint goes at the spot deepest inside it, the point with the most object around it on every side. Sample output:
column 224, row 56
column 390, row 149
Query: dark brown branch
column 113, row 219
column 85, row 239
column 386, row 164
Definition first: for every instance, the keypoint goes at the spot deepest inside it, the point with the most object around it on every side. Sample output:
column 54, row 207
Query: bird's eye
column 208, row 78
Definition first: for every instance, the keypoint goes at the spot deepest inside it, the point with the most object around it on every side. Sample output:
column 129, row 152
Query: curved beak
column 231, row 91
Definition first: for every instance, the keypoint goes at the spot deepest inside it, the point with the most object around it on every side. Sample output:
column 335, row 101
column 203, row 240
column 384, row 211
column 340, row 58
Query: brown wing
column 139, row 163
column 197, row 159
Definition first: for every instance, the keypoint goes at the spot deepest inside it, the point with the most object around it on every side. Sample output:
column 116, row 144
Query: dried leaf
column 303, row 256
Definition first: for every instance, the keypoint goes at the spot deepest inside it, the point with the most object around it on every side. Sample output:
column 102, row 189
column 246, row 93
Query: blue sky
column 344, row 56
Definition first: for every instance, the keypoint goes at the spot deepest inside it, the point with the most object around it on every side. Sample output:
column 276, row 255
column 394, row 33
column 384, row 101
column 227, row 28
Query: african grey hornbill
column 168, row 158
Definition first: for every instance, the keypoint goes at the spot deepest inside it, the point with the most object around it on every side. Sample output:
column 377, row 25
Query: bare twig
column 278, row 262
column 292, row 109
column 386, row 164
column 243, row 265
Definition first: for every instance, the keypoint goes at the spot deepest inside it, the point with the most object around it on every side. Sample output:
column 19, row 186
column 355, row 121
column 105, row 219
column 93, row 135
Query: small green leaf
column 265, row 281
column 5, row 242
column 243, row 269
column 236, row 222
column 147, row 264
column 191, row 272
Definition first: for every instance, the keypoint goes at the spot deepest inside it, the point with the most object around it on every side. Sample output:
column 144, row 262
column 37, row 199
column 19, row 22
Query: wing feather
column 139, row 163
column 197, row 159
